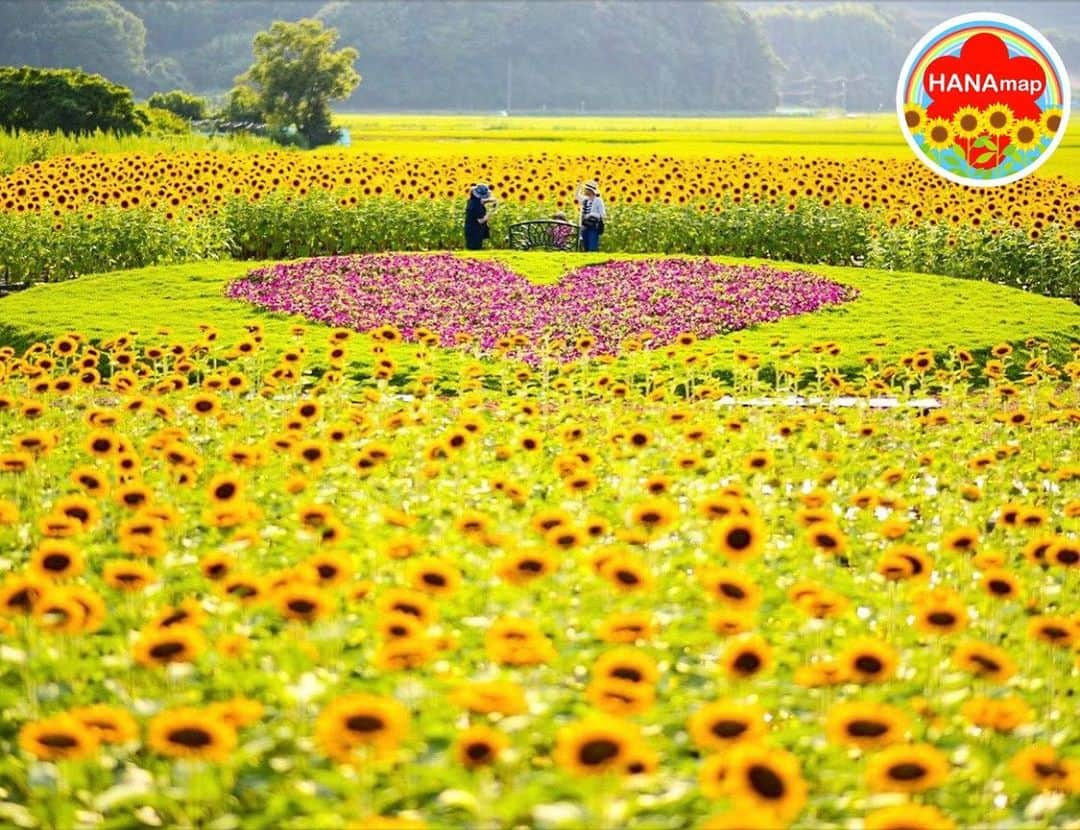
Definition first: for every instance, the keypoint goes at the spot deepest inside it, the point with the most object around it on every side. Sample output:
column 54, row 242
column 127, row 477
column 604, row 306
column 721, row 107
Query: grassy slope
column 911, row 310
column 874, row 136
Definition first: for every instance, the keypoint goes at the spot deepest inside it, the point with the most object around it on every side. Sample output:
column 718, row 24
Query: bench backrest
column 545, row 234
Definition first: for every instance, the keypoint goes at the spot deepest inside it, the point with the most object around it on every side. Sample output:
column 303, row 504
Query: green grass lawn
column 909, row 310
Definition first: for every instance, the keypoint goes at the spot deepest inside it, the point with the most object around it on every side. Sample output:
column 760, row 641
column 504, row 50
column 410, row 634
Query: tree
column 297, row 74
column 66, row 100
column 184, row 104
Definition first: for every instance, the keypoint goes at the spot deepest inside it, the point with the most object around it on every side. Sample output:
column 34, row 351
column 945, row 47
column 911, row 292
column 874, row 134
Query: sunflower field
column 129, row 209
column 444, row 559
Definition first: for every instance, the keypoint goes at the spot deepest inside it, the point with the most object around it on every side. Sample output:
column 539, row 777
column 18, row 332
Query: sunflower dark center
column 364, row 723
column 728, row 728
column 729, row 589
column 79, row 514
column 327, row 571
column 985, row 663
column 191, row 736
column 907, row 771
column 867, row 728
column 739, row 539
column 1068, row 556
column 912, row 118
column 627, row 577
column 942, row 618
column 939, row 133
column 1049, row 770
column 747, row 662
column 997, row 120
column 1053, row 122
column 434, row 579
column 1025, row 134
column 406, row 608
column 302, row 606
column 969, row 122
column 597, row 751
column 174, row 618
column 868, row 664
column 102, row 445
column 56, row 562
column 58, row 740
column 766, row 782
column 478, row 751
column 825, row 540
column 534, row 566
column 1000, row 587
column 628, row 673
column 1053, row 632
column 166, row 650
column 226, row 491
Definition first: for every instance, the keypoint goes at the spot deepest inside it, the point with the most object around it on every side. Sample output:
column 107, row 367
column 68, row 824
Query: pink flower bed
column 610, row 301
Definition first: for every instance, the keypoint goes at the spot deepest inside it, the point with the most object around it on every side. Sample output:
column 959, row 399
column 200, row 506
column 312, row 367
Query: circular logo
column 983, row 99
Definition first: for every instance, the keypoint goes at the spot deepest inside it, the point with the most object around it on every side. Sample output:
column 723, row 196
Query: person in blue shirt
column 477, row 216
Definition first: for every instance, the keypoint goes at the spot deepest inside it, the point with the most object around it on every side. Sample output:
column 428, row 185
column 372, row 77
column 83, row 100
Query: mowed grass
column 909, row 311
column 835, row 136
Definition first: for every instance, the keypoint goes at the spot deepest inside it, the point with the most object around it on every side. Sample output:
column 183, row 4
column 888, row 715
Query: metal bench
column 544, row 234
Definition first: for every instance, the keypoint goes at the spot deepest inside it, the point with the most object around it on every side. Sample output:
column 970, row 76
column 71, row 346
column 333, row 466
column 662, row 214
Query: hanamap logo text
column 983, row 99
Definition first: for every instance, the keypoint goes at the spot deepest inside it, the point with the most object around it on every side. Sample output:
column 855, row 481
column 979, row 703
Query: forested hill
column 425, row 55
column 592, row 55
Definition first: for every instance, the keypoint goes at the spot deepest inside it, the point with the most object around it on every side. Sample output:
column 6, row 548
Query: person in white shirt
column 593, row 215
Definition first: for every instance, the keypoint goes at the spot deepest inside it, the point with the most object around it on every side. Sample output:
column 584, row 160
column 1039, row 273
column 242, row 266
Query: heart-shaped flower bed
column 486, row 302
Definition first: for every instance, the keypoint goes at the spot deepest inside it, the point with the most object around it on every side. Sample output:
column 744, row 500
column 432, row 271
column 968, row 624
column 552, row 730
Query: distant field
column 838, row 136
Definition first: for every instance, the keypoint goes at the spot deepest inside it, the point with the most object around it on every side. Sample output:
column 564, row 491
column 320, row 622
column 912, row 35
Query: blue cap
column 481, row 191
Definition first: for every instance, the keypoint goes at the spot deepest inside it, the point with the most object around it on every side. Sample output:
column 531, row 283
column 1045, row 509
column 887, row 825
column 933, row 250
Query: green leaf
column 984, row 157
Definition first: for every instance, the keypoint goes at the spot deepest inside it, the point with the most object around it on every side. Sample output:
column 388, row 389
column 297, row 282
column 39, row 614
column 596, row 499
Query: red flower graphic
column 983, row 55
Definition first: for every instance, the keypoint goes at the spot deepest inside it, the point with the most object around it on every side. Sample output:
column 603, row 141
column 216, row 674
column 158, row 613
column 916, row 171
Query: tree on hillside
column 297, row 74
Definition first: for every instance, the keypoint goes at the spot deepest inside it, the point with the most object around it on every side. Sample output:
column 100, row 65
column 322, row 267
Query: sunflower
column 191, row 734
column 1040, row 766
column 914, row 117
column 746, row 656
column 627, row 572
column 1064, row 553
column 827, row 537
column 984, row 661
column 1025, row 134
column 128, row 576
column 629, row 664
column 58, row 738
column 1050, row 120
column 739, row 538
column 1001, row 714
column 479, row 746
column 526, row 565
column 941, row 611
column 908, row 817
column 938, row 134
column 869, row 661
column 404, row 601
column 865, row 725
column 81, row 509
column 55, row 559
column 59, row 612
column 517, row 642
column 110, row 724
column 998, row 118
column 94, row 609
column 907, row 768
column 1000, row 584
column 595, row 747
column 159, row 647
column 217, row 566
column 620, row 697
column 361, row 721
column 403, row 653
column 1056, row 630
column 967, row 122
column 718, row 726
column 497, row 696
column 224, row 489
column 303, row 603
column 761, row 778
column 626, row 627
column 732, row 588
column 713, row 777
column 726, row 622
column 961, row 540
column 653, row 514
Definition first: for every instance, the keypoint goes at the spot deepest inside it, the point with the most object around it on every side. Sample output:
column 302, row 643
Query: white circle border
column 1036, row 36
